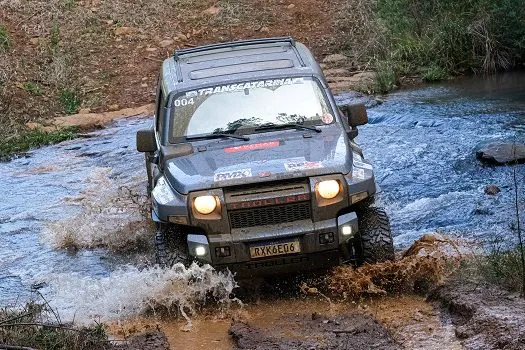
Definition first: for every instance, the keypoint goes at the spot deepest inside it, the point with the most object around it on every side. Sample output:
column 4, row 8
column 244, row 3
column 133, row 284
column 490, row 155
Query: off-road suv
column 252, row 166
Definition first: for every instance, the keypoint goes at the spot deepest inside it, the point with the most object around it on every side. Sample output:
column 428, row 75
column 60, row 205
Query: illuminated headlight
column 200, row 250
column 328, row 189
column 205, row 204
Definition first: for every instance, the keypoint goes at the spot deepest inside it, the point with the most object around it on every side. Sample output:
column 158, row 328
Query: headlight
column 205, row 204
column 328, row 189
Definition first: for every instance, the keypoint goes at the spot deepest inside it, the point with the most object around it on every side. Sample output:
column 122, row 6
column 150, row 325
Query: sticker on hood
column 297, row 165
column 234, row 174
column 162, row 192
column 252, row 147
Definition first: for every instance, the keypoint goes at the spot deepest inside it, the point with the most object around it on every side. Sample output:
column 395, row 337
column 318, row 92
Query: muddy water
column 72, row 226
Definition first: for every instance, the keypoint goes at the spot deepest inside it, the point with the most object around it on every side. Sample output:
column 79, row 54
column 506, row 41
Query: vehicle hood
column 266, row 157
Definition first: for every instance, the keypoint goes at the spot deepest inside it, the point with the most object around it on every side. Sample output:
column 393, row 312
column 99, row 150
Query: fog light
column 200, row 250
column 346, row 230
column 222, row 251
column 325, row 238
column 358, row 197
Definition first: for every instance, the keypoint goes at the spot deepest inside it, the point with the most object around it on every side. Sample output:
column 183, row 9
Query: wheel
column 170, row 246
column 374, row 241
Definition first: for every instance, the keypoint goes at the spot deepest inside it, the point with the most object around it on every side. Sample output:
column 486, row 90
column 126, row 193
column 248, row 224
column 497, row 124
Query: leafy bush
column 434, row 37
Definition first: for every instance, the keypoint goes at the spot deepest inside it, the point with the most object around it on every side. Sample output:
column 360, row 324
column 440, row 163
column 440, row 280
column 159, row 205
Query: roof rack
column 231, row 44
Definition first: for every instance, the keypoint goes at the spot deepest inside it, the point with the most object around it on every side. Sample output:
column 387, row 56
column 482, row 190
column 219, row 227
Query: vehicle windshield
column 244, row 106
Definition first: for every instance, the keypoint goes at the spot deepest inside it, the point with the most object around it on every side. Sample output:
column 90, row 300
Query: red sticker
column 327, row 118
column 252, row 147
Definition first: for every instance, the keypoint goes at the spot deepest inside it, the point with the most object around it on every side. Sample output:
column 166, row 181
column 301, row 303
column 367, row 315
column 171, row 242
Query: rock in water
column 502, row 153
column 492, row 190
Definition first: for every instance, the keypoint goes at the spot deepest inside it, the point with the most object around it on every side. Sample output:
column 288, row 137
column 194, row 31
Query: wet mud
column 484, row 317
column 315, row 331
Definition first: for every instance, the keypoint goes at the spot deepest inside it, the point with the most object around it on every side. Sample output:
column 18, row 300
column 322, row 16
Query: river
column 72, row 229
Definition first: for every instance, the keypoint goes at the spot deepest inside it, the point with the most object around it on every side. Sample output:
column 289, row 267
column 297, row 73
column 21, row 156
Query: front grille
column 270, row 215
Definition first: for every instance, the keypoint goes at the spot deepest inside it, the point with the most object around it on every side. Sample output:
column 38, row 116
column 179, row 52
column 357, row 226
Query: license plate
column 266, row 250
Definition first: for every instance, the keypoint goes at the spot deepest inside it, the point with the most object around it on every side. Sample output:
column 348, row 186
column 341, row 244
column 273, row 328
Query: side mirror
column 146, row 141
column 356, row 114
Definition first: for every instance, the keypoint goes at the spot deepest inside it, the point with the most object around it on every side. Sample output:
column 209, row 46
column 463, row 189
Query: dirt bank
column 485, row 317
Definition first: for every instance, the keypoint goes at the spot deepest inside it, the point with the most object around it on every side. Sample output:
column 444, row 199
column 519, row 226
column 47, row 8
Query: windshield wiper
column 218, row 135
column 273, row 126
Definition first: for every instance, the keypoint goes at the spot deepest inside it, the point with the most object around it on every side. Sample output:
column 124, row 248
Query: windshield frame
column 246, row 131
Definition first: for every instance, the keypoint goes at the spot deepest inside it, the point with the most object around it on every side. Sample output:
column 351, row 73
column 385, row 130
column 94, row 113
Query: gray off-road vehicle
column 251, row 165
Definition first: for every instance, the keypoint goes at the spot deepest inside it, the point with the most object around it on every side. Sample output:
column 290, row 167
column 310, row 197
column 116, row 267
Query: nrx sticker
column 297, row 165
column 234, row 174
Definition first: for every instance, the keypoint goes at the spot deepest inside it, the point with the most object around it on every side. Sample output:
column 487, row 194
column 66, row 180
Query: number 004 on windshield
column 263, row 251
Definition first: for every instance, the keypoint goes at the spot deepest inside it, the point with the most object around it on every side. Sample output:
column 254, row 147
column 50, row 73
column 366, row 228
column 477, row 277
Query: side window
column 158, row 104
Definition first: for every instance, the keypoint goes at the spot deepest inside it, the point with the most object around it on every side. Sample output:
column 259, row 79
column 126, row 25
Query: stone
column 492, row 190
column 291, row 6
column 500, row 153
column 166, row 43
column 264, row 29
column 151, row 49
column 113, row 107
column 212, row 11
column 84, row 111
column 124, row 31
column 336, row 57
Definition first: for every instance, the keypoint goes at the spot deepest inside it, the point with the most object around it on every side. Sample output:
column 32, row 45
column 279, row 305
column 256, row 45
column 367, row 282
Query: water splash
column 112, row 216
column 129, row 292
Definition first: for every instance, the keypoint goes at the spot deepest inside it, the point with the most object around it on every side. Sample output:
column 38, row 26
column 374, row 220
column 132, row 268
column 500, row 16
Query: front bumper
column 320, row 244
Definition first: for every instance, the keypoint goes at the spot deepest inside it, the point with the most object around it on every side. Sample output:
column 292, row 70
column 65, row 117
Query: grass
column 29, row 327
column 5, row 42
column 54, row 35
column 29, row 139
column 33, row 88
column 434, row 39
column 70, row 100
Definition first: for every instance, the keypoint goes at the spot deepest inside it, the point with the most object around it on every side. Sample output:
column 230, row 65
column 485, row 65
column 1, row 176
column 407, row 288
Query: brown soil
column 110, row 52
column 485, row 317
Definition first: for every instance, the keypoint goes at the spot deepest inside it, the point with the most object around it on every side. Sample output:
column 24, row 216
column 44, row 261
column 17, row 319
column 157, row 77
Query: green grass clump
column 29, row 139
column 5, row 42
column 29, row 327
column 504, row 268
column 434, row 72
column 33, row 88
column 70, row 100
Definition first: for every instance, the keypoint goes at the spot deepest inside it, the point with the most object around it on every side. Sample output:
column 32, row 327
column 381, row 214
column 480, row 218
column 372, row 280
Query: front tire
column 170, row 246
column 374, row 241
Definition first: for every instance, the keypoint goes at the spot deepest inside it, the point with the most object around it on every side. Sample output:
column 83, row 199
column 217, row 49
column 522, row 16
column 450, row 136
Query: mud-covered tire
column 170, row 246
column 374, row 241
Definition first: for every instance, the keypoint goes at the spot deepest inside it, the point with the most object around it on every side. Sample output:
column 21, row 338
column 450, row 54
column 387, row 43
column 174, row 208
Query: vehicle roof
column 242, row 60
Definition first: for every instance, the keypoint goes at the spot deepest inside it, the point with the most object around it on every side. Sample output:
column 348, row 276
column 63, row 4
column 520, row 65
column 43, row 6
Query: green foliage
column 23, row 328
column 434, row 72
column 386, row 76
column 33, row 88
column 31, row 139
column 70, row 100
column 452, row 36
column 54, row 36
column 5, row 42
column 504, row 268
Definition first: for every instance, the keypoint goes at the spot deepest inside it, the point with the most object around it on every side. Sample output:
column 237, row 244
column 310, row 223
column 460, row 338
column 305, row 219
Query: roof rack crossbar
column 283, row 39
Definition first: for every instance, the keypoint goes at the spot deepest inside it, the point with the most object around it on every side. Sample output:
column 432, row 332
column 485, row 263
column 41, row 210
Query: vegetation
column 436, row 38
column 33, row 138
column 70, row 100
column 4, row 39
column 29, row 328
